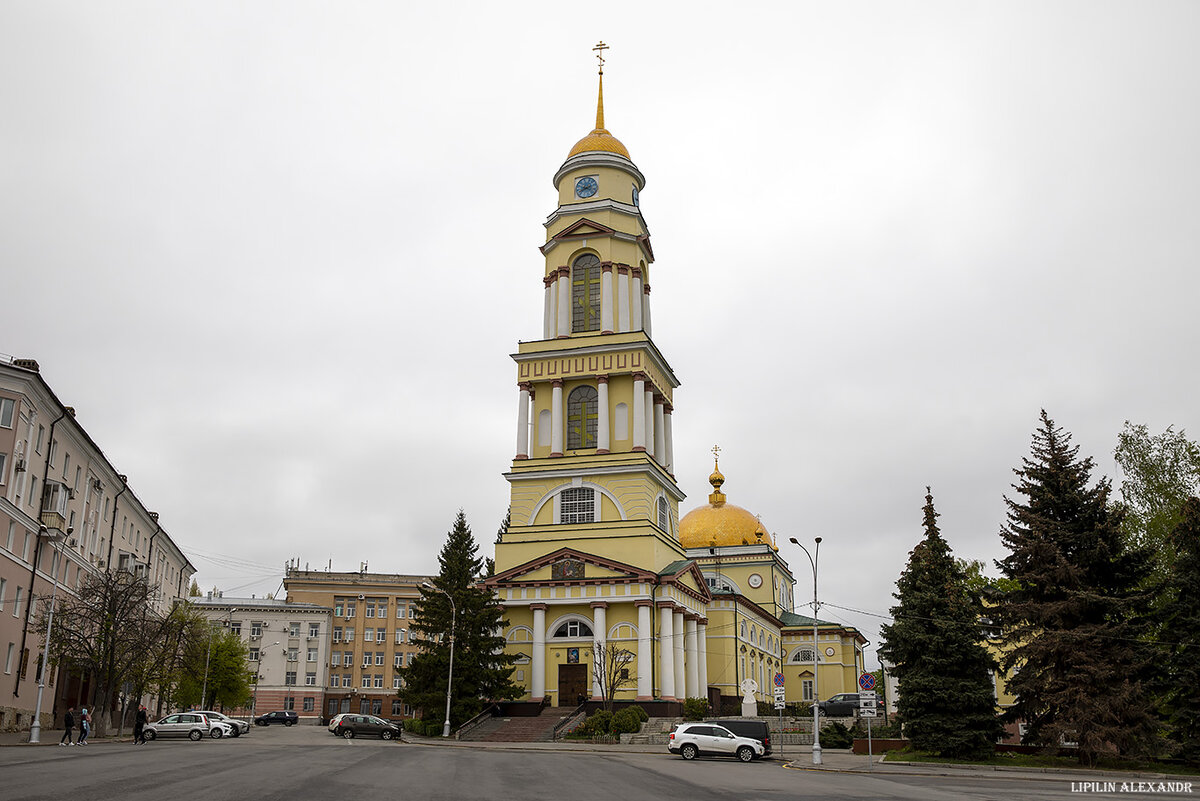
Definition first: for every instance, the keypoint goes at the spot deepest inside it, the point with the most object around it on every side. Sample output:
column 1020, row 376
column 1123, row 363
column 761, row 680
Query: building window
column 364, row 706
column 366, row 660
column 399, row 636
column 289, row 677
column 573, row 629
column 294, row 630
column 348, row 659
column 379, row 657
column 347, row 680
column 236, row 627
column 370, row 605
column 3, row 464
column 380, row 635
column 337, row 608
column 379, row 681
column 256, row 628
column 401, row 608
column 585, row 294
column 12, row 649
column 806, row 689
column 289, row 702
column 396, row 707
column 581, row 418
column 368, row 635
column 337, row 633
column 314, row 629
column 366, row 682
column 6, row 412
column 398, row 660
column 312, row 654
column 664, row 515
column 253, row 654
column 310, row 679
column 578, row 505
column 310, row 704
column 349, row 636
column 397, row 682
column 803, row 655
column 293, row 655
column 333, row 706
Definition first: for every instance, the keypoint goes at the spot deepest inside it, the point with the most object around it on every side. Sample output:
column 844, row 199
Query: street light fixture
column 450, row 677
column 812, row 560
column 54, row 536
column 257, row 676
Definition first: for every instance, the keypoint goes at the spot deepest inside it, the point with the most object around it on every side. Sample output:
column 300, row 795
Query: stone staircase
column 519, row 730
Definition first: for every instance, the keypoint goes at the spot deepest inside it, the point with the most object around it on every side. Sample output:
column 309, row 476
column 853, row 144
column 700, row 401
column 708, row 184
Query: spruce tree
column 946, row 700
column 482, row 671
column 1073, row 627
column 1181, row 628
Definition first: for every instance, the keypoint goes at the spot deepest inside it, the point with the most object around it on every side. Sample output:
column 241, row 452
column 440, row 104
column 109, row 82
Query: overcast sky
column 277, row 254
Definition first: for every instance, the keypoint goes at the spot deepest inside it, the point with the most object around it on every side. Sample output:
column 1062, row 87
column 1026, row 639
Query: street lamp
column 450, row 677
column 257, row 676
column 812, row 560
column 208, row 655
column 54, row 537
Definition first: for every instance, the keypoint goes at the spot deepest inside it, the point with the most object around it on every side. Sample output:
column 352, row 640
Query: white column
column 599, row 640
column 622, row 298
column 564, row 302
column 523, row 423
column 646, row 310
column 669, row 461
column 702, row 657
column 680, row 685
column 603, row 439
column 606, row 299
column 550, row 311
column 660, row 433
column 645, row 686
column 693, row 658
column 639, row 412
column 648, row 416
column 538, row 653
column 556, row 419
column 635, row 299
column 666, row 652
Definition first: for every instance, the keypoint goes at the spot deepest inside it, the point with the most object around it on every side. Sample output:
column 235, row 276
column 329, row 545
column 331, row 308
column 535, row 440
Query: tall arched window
column 581, row 418
column 585, row 294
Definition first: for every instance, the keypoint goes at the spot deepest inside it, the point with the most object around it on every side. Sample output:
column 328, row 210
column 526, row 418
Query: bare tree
column 108, row 630
column 610, row 669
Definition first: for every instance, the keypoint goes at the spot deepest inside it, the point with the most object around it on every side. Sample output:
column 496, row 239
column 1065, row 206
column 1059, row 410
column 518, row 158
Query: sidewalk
column 52, row 736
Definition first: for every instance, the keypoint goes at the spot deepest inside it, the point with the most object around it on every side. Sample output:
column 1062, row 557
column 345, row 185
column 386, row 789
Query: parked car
column 192, row 725
column 333, row 723
column 286, row 717
column 842, row 705
column 691, row 740
column 239, row 727
column 746, row 727
column 351, row 726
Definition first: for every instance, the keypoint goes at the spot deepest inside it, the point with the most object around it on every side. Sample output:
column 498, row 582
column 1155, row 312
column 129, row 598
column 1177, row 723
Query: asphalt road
column 309, row 763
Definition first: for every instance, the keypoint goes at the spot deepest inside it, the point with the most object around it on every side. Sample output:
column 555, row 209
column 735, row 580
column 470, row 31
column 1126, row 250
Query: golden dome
column 599, row 138
column 721, row 524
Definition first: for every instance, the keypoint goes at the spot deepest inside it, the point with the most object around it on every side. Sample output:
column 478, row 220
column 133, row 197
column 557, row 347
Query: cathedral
column 597, row 564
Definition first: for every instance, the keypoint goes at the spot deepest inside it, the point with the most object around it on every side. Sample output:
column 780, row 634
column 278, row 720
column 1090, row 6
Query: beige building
column 368, row 636
column 65, row 511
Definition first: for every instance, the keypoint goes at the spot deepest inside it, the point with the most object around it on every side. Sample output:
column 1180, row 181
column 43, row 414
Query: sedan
column 191, row 725
column 351, row 726
column 237, row 727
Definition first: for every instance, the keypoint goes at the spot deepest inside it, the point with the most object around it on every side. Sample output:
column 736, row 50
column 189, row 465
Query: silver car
column 237, row 727
column 691, row 740
column 191, row 725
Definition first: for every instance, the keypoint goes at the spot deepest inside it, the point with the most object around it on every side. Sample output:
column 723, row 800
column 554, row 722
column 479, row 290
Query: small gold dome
column 599, row 138
column 721, row 524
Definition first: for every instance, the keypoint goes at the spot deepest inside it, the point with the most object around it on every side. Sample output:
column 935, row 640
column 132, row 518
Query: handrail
column 491, row 710
column 566, row 721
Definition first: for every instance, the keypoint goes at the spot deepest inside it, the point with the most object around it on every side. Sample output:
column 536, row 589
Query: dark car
column 351, row 726
column 842, row 705
column 287, row 718
column 756, row 729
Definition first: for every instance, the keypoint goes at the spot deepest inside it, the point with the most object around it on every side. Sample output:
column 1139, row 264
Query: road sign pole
column 870, row 756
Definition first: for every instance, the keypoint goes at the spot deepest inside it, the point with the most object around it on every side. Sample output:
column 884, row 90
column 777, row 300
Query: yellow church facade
column 596, row 559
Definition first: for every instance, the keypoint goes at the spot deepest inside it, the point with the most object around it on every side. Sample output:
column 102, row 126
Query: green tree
column 1073, row 626
column 482, row 671
column 226, row 666
column 1181, row 625
column 946, row 700
column 1158, row 474
column 194, row 590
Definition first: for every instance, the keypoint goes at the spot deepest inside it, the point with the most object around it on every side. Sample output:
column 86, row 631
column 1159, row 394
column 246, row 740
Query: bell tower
column 593, row 467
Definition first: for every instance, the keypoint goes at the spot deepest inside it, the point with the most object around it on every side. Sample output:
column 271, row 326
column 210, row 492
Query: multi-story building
column 288, row 647
column 65, row 511
column 369, row 635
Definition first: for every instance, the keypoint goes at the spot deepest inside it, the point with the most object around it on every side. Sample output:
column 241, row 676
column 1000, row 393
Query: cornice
column 604, row 343
column 594, row 158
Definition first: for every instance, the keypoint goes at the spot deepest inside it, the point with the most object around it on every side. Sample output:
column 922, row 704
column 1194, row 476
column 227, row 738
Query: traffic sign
column 868, row 713
column 780, row 693
column 779, row 703
column 778, row 679
column 867, row 681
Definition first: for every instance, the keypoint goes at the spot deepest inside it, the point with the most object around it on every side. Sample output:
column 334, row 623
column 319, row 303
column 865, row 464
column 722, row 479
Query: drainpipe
column 112, row 529
column 37, row 554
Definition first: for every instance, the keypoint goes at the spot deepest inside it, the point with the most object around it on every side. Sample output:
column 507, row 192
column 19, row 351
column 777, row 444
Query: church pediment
column 686, row 574
column 568, row 565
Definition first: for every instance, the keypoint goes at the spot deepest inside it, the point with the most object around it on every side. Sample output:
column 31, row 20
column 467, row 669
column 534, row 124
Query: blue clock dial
column 635, row 197
column 586, row 187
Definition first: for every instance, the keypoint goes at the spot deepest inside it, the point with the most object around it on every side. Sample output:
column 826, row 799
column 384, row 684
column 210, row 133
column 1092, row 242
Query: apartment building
column 369, row 635
column 65, row 511
column 288, row 647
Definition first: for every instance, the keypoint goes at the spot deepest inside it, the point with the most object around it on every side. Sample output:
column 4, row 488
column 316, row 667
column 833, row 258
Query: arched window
column 585, row 294
column 577, row 505
column 581, row 418
column 803, row 655
column 573, row 629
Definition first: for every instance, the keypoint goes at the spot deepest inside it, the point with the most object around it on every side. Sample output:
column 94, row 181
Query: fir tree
column 1181, row 624
column 482, row 671
column 946, row 701
column 1073, row 635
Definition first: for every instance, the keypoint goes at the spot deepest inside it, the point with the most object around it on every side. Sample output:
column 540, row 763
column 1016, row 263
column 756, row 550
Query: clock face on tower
column 635, row 197
column 755, row 580
column 586, row 187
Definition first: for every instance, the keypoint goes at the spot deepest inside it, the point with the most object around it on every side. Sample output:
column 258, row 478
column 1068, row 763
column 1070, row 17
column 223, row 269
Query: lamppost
column 257, row 676
column 208, row 655
column 450, row 677
column 812, row 560
column 54, row 537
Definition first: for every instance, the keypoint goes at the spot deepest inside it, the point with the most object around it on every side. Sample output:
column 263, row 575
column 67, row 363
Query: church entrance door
column 572, row 685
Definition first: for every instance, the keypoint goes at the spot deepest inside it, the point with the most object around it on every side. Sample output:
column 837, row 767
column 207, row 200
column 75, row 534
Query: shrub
column 626, row 722
column 598, row 724
column 695, row 708
column 836, row 735
column 642, row 715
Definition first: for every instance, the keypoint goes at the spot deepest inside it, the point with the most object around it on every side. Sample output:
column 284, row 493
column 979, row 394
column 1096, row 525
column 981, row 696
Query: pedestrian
column 139, row 726
column 68, row 727
column 85, row 726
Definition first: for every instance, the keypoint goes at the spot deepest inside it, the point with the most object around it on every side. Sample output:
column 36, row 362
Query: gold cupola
column 720, row 523
column 599, row 139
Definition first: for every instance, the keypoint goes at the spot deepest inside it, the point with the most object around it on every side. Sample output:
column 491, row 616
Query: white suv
column 691, row 740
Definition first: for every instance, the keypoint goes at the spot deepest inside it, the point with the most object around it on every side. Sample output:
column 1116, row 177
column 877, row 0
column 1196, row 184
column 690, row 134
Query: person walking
column 85, row 726
column 139, row 726
column 68, row 727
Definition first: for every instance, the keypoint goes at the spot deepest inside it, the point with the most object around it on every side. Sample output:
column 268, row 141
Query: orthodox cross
column 600, row 48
